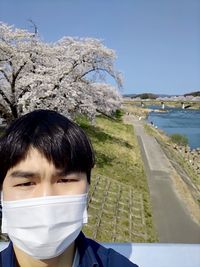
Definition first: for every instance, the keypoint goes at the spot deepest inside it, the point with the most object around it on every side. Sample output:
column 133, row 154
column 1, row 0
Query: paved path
column 172, row 220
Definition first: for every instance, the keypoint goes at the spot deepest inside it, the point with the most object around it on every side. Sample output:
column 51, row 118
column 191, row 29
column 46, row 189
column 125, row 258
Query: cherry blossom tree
column 63, row 76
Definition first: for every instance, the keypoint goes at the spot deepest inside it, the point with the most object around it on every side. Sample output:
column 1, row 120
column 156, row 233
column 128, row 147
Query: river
column 176, row 120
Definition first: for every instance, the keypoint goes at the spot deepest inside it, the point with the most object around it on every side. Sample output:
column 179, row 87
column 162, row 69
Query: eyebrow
column 24, row 174
column 60, row 173
column 28, row 174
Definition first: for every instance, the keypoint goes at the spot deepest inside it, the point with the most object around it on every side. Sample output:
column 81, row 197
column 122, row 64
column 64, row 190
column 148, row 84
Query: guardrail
column 155, row 254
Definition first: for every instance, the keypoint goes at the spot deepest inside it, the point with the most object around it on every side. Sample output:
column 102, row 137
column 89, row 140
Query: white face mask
column 44, row 227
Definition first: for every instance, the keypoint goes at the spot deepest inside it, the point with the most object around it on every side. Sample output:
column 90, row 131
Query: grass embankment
column 119, row 207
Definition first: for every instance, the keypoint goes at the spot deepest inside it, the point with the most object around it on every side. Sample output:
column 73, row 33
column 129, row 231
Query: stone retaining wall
column 191, row 155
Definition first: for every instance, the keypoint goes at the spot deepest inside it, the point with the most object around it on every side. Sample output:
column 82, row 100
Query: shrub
column 118, row 114
column 82, row 121
column 179, row 139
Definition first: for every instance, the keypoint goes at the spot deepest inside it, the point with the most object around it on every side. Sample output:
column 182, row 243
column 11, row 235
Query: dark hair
column 59, row 139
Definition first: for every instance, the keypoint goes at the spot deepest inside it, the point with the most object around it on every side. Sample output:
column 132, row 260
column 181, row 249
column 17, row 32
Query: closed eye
column 26, row 184
column 67, row 180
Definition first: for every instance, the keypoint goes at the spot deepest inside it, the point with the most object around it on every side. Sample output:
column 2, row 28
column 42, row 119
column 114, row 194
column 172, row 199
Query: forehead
column 34, row 160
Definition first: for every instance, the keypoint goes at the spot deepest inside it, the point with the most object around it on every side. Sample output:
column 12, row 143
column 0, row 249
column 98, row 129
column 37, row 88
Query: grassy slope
column 117, row 152
column 118, row 157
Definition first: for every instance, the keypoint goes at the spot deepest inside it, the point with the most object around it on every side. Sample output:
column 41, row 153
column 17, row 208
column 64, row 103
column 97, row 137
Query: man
column 45, row 169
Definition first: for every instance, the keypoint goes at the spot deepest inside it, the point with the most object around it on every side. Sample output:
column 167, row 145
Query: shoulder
column 117, row 259
column 106, row 257
column 5, row 248
column 7, row 256
column 112, row 257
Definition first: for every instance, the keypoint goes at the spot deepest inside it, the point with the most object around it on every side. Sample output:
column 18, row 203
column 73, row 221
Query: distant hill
column 142, row 96
column 129, row 95
column 146, row 96
column 197, row 93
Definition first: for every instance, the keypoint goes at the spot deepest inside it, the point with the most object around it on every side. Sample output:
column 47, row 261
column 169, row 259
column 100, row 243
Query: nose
column 47, row 189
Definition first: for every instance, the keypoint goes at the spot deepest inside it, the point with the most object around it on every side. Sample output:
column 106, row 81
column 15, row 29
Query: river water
column 176, row 120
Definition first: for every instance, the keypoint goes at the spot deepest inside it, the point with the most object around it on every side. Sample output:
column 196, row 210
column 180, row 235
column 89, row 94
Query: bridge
column 183, row 105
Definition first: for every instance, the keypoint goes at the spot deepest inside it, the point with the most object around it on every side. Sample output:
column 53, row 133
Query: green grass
column 118, row 157
column 117, row 152
column 179, row 139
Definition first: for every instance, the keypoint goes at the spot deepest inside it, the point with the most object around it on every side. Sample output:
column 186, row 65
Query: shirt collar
column 87, row 256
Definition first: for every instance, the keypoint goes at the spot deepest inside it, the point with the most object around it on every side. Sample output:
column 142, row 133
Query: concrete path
column 172, row 220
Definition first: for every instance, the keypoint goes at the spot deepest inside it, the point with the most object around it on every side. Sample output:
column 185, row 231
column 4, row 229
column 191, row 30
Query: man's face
column 36, row 177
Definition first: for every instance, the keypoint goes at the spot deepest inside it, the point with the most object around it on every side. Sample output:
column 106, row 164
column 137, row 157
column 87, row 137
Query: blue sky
column 157, row 41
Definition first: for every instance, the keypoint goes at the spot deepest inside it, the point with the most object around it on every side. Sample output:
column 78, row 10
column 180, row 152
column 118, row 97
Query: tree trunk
column 14, row 111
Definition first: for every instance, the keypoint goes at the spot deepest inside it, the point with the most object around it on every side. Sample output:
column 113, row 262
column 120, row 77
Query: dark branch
column 34, row 26
column 14, row 77
column 20, row 68
column 5, row 75
column 75, row 64
column 5, row 97
column 5, row 113
column 25, row 90
column 94, row 69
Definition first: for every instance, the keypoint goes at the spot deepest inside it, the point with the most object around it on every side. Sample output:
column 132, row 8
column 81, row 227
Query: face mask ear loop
column 3, row 220
column 1, row 215
column 1, row 202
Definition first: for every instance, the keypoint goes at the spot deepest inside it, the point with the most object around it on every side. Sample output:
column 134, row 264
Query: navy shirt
column 91, row 254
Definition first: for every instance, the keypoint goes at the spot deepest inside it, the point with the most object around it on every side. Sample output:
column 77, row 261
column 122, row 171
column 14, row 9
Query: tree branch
column 94, row 69
column 25, row 90
column 15, row 75
column 34, row 26
column 5, row 97
column 5, row 113
column 75, row 64
column 5, row 75
column 21, row 67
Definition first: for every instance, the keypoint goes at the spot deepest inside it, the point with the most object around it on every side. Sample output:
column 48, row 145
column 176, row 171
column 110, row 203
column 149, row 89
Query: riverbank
column 192, row 156
column 175, row 213
column 171, row 121
column 187, row 160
